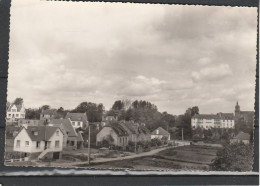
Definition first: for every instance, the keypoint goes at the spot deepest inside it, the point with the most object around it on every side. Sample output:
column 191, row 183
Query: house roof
column 206, row 116
column 44, row 132
column 49, row 112
column 242, row 136
column 18, row 106
column 119, row 130
column 77, row 116
column 161, row 131
column 67, row 126
column 79, row 137
column 135, row 128
column 227, row 116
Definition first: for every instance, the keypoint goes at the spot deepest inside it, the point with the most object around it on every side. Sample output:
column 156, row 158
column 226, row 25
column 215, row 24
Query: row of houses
column 222, row 120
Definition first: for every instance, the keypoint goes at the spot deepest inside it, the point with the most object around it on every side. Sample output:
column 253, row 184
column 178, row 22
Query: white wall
column 23, row 136
column 77, row 124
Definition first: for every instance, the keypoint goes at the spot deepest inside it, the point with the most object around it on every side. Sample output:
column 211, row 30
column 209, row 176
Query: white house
column 160, row 133
column 15, row 111
column 37, row 142
column 78, row 120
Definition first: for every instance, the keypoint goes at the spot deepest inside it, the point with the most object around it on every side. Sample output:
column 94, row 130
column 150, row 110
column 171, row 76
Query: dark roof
column 77, row 116
column 161, row 131
column 49, row 112
column 227, row 116
column 135, row 128
column 79, row 137
column 67, row 126
column 18, row 106
column 206, row 116
column 242, row 136
column 44, row 132
column 119, row 130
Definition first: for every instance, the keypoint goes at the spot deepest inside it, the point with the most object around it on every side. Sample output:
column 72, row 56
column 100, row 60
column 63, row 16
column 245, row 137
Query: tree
column 7, row 104
column 94, row 111
column 45, row 107
column 234, row 157
column 32, row 113
column 18, row 101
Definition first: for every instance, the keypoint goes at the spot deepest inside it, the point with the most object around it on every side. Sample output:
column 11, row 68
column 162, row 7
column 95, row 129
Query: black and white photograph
column 131, row 86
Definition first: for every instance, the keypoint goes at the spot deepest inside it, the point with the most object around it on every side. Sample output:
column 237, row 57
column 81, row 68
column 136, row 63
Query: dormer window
column 57, row 133
column 35, row 133
column 157, row 131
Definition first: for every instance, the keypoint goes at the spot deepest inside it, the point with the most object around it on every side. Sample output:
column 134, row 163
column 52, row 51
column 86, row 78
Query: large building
column 207, row 121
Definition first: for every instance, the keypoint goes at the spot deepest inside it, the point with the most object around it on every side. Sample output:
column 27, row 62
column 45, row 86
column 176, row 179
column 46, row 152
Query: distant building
column 114, row 133
column 160, row 133
column 137, row 132
column 78, row 120
column 246, row 116
column 30, row 122
column 48, row 114
column 207, row 121
column 71, row 139
column 108, row 119
column 15, row 111
column 241, row 137
column 38, row 142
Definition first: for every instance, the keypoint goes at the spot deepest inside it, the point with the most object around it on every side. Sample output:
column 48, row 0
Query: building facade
column 36, row 142
column 15, row 112
column 78, row 120
column 160, row 133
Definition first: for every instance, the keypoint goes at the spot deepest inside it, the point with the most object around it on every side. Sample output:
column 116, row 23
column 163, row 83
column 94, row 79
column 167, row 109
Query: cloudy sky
column 64, row 53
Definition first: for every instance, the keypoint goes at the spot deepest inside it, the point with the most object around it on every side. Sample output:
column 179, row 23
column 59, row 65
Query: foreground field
column 180, row 158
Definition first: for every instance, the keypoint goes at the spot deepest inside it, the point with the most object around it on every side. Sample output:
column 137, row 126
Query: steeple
column 237, row 109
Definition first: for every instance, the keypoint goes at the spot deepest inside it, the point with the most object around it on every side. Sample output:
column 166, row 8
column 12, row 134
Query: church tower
column 237, row 110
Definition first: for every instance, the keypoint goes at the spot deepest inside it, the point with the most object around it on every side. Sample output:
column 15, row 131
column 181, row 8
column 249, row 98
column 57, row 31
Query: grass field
column 180, row 158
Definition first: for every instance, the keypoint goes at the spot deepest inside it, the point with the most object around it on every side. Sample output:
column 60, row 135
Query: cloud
column 214, row 73
column 175, row 56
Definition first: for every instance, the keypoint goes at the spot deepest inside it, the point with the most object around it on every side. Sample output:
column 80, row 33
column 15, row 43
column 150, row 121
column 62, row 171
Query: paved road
column 100, row 160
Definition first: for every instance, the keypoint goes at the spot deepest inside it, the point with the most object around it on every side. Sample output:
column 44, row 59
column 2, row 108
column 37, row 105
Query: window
column 73, row 123
column 9, row 115
column 17, row 115
column 57, row 133
column 35, row 133
column 78, row 123
column 120, row 140
column 26, row 143
column 37, row 144
column 18, row 143
column 57, row 144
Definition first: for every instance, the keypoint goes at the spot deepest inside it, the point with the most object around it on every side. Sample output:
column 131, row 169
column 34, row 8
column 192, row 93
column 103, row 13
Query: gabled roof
column 119, row 130
column 135, row 128
column 49, row 112
column 76, row 116
column 18, row 106
column 67, row 126
column 44, row 132
column 161, row 131
column 242, row 136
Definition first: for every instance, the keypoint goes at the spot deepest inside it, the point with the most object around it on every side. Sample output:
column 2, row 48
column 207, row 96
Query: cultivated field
column 180, row 158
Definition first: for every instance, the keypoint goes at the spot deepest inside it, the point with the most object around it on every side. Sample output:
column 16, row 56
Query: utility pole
column 182, row 138
column 135, row 143
column 89, row 144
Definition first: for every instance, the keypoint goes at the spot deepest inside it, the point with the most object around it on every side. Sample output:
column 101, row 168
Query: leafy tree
column 18, row 101
column 234, row 157
column 32, row 113
column 94, row 111
column 45, row 107
column 7, row 104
